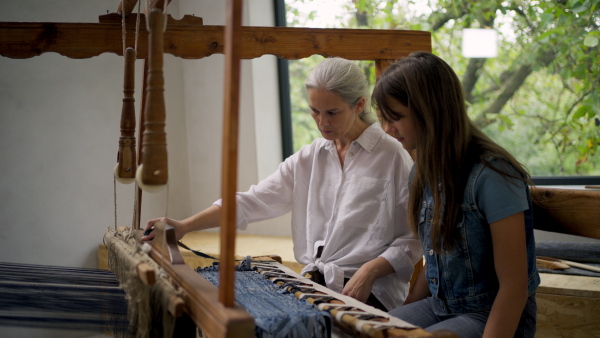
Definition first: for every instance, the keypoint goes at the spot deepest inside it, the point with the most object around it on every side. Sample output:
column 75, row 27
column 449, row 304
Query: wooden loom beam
column 231, row 104
column 200, row 296
column 216, row 320
column 189, row 39
column 567, row 211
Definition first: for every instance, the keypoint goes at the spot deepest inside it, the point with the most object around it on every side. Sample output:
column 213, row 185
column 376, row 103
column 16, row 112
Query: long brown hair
column 448, row 143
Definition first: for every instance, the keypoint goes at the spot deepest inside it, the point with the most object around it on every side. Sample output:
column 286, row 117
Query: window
column 538, row 97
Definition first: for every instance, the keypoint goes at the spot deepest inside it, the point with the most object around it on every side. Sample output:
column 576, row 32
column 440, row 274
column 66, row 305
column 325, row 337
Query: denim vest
column 465, row 280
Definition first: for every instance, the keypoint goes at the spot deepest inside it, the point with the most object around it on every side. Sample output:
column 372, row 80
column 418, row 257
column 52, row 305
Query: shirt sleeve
column 271, row 197
column 402, row 255
column 498, row 197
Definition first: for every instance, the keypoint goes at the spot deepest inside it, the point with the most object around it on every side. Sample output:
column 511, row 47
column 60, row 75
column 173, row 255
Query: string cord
column 137, row 26
column 135, row 193
column 165, row 7
column 115, row 198
column 123, row 30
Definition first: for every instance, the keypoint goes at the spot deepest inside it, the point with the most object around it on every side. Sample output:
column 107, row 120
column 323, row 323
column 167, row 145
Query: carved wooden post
column 153, row 172
column 126, row 161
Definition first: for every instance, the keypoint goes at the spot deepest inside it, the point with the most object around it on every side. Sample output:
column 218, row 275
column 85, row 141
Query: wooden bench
column 568, row 306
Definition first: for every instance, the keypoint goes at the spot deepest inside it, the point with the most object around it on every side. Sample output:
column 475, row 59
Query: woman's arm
column 420, row 290
column 206, row 219
column 360, row 285
column 510, row 260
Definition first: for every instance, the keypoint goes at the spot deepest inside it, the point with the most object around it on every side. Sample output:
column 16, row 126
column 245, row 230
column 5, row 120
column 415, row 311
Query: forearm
column 510, row 261
column 360, row 285
column 207, row 219
column 379, row 267
column 506, row 312
column 420, row 290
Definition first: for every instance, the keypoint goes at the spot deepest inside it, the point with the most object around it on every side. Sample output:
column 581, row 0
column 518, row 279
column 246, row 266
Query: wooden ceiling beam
column 188, row 38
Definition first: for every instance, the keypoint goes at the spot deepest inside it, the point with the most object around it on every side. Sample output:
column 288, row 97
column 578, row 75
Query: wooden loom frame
column 188, row 38
column 563, row 211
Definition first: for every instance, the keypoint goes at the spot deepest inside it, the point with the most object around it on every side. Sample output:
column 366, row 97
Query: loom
column 61, row 297
column 184, row 299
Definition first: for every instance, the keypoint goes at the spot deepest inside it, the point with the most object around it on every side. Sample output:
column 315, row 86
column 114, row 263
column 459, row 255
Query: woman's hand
column 177, row 225
column 360, row 285
column 206, row 219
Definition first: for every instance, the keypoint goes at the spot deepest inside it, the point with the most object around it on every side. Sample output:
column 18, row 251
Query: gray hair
column 343, row 78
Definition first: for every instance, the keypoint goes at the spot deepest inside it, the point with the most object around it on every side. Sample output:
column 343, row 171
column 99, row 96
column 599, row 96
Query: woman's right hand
column 177, row 225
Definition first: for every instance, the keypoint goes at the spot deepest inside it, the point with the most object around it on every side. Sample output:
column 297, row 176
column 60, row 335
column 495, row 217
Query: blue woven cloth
column 587, row 253
column 61, row 297
column 277, row 313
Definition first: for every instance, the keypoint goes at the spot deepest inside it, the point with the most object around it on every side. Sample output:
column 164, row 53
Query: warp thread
column 276, row 312
column 148, row 304
column 57, row 297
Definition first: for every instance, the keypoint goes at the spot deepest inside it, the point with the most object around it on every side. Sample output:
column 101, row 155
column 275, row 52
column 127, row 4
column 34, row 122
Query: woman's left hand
column 360, row 285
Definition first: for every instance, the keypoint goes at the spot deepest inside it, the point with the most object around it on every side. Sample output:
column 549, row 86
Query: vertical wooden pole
column 138, row 191
column 381, row 65
column 230, row 150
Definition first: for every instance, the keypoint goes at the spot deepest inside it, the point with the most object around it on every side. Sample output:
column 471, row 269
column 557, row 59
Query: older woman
column 347, row 193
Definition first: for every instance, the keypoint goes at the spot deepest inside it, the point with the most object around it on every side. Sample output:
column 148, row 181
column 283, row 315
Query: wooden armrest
column 567, row 211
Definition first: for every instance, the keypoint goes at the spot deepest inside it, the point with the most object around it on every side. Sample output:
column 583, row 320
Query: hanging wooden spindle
column 126, row 160
column 152, row 174
column 230, row 150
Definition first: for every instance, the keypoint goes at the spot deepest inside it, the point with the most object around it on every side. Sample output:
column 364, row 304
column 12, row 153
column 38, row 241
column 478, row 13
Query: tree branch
column 471, row 76
column 512, row 85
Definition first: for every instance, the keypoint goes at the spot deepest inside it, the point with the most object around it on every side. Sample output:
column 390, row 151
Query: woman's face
column 403, row 127
column 333, row 116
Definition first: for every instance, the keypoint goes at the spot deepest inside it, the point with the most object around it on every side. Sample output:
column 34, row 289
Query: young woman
column 347, row 192
column 469, row 204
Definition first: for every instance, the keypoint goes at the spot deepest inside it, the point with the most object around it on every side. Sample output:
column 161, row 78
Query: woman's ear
column 360, row 105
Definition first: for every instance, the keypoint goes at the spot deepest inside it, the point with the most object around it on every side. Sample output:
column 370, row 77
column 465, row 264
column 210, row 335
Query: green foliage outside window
column 539, row 98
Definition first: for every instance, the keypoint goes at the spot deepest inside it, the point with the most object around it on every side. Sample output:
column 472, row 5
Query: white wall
column 59, row 130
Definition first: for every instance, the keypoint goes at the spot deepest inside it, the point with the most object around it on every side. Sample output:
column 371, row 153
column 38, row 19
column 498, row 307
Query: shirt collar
column 368, row 139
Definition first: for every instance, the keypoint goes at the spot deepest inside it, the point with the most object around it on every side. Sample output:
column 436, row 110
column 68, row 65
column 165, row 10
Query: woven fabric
column 61, row 297
column 587, row 253
column 277, row 313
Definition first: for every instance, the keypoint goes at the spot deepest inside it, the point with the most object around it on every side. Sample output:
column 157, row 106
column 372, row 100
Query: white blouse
column 356, row 213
